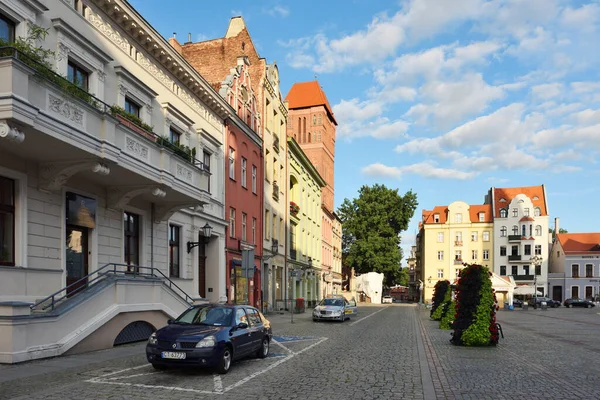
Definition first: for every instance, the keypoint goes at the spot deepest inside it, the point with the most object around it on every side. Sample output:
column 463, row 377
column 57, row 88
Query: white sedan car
column 387, row 299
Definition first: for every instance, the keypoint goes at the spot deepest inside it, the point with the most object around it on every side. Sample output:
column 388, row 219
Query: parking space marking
column 141, row 385
column 131, row 376
column 120, row 371
column 270, row 367
column 368, row 316
column 282, row 346
column 218, row 383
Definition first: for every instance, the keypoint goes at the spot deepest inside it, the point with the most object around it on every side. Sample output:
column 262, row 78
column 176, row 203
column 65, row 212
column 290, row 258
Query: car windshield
column 214, row 316
column 332, row 302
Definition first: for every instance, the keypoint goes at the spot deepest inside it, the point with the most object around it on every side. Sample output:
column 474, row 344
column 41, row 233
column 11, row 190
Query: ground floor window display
column 7, row 221
column 240, row 285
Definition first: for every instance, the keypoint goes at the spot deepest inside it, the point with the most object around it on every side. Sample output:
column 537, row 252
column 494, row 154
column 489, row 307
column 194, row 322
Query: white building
column 520, row 234
column 83, row 187
column 371, row 285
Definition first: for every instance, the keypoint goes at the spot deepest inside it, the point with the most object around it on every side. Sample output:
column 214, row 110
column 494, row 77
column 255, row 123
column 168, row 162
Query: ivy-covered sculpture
column 439, row 293
column 475, row 317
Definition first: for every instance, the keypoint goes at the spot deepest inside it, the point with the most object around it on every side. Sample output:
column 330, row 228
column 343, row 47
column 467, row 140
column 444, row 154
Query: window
column 526, row 212
column 440, row 237
column 514, row 270
column 458, row 237
column 503, row 270
column 537, row 211
column 7, row 29
column 440, row 273
column 503, row 213
column 515, row 230
column 232, row 222
column 253, row 230
column 514, row 250
column 474, row 254
column 440, row 255
column 481, row 217
column 589, row 270
column 503, row 231
column 575, row 292
column 527, row 250
column 281, row 230
column 267, row 223
column 174, row 136
column 77, row 75
column 525, row 269
column 7, row 220
column 538, row 249
column 206, row 162
column 538, row 230
column 319, row 119
column 575, row 270
column 515, row 212
column 486, row 236
column 436, row 218
column 131, row 228
column 474, row 236
column 502, row 250
column 457, row 273
column 254, row 172
column 131, row 107
column 314, row 119
column 244, row 163
column 244, row 218
column 458, row 255
column 486, row 254
column 458, row 218
column 231, row 163
column 538, row 269
column 174, row 245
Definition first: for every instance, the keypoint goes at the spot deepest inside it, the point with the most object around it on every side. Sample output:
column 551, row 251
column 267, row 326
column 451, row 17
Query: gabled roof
column 308, row 94
column 428, row 215
column 579, row 243
column 484, row 208
column 508, row 194
column 474, row 210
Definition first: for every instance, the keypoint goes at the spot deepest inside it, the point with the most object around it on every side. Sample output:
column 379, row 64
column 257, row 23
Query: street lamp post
column 536, row 261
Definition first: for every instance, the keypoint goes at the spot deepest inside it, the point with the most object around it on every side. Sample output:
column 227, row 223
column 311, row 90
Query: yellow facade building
column 453, row 235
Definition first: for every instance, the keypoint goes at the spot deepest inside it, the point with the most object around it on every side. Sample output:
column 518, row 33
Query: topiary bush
column 439, row 292
column 443, row 307
column 448, row 316
column 475, row 317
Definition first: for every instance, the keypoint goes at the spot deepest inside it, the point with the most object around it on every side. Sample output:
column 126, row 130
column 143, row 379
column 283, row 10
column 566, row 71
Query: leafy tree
column 372, row 224
column 402, row 277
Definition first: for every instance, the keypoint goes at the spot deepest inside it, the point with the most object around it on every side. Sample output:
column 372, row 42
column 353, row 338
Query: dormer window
column 481, row 217
column 503, row 213
column 515, row 212
column 458, row 218
column 537, row 212
column 436, row 218
column 535, row 198
column 502, row 200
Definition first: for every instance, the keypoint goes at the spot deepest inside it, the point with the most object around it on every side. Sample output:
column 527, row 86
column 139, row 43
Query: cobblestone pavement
column 387, row 352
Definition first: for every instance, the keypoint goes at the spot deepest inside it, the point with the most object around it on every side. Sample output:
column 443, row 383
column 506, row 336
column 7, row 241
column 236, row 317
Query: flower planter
column 135, row 128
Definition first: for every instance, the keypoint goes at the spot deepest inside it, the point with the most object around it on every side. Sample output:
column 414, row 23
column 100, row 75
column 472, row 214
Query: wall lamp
column 206, row 232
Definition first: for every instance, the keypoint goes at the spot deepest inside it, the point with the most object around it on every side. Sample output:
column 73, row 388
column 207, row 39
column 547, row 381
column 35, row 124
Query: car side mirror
column 242, row 325
column 169, row 321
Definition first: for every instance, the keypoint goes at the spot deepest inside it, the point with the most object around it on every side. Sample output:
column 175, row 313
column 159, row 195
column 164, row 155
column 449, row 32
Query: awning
column 526, row 290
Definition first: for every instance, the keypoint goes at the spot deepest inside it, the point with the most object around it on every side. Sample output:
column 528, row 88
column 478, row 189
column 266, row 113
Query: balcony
column 514, row 238
column 458, row 243
column 275, row 191
column 294, row 209
column 514, row 258
column 276, row 143
column 458, row 261
column 523, row 277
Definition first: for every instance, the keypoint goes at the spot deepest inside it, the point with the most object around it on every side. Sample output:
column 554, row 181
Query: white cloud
column 585, row 87
column 587, row 117
column 547, row 90
column 278, row 11
column 584, row 18
column 425, row 170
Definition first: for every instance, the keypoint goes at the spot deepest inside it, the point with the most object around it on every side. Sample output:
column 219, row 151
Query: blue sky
column 447, row 98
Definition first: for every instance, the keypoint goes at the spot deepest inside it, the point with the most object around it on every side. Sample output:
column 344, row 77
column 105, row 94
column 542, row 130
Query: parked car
column 548, row 300
column 578, row 303
column 210, row 336
column 517, row 303
column 387, row 299
column 335, row 309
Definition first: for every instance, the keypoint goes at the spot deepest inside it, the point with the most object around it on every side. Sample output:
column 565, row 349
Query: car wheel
column 159, row 367
column 225, row 362
column 263, row 351
column 588, row 306
column 569, row 305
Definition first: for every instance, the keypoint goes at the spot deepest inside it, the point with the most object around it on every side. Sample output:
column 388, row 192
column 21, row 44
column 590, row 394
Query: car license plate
column 173, row 355
column 348, row 311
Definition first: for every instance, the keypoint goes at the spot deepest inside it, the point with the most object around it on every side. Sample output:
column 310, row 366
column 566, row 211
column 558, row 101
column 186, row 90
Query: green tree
column 402, row 277
column 372, row 224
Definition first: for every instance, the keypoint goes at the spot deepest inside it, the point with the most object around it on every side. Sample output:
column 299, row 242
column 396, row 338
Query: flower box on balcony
column 294, row 208
column 136, row 128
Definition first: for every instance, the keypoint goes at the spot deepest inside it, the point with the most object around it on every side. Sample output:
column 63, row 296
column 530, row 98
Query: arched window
column 537, row 212
column 538, row 230
column 515, row 230
column 314, row 119
column 503, row 213
column 304, row 127
column 503, row 231
column 299, row 126
column 309, row 138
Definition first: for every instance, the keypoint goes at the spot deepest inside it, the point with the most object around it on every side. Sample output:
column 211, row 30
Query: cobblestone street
column 386, row 352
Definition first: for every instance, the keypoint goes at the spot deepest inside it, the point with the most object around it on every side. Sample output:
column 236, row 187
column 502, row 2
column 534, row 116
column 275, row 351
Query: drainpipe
column 152, row 211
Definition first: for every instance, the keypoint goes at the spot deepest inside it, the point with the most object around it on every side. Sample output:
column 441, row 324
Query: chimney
column 174, row 35
column 556, row 227
column 189, row 39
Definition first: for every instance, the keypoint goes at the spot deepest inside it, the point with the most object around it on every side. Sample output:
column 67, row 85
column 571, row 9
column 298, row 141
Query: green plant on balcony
column 294, row 208
column 117, row 110
column 31, row 53
column 183, row 151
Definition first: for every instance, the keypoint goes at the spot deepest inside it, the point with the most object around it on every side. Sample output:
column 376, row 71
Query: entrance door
column 557, row 293
column 201, row 267
column 76, row 257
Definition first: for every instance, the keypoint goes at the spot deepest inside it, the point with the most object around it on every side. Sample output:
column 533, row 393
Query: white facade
column 371, row 284
column 73, row 147
column 520, row 233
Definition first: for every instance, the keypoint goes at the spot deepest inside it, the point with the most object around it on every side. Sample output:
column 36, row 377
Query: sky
column 444, row 98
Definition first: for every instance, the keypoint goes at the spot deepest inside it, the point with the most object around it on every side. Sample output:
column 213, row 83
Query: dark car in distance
column 549, row 302
column 212, row 335
column 517, row 303
column 579, row 303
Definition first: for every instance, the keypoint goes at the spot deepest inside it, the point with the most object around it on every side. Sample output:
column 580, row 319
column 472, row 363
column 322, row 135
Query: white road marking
column 141, row 385
column 118, row 372
column 279, row 344
column 368, row 316
column 270, row 367
column 129, row 376
column 218, row 383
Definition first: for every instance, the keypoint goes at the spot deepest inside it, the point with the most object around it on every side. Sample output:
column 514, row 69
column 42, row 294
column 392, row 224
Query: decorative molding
column 107, row 30
column 11, row 133
column 53, row 176
column 66, row 109
column 63, row 50
column 118, row 197
column 123, row 89
column 164, row 212
column 101, row 75
column 156, row 72
column 136, row 149
column 184, row 173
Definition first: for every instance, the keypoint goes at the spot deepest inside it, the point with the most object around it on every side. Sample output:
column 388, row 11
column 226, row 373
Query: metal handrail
column 102, row 272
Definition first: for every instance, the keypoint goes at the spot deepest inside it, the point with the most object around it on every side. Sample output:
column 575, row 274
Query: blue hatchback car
column 210, row 335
